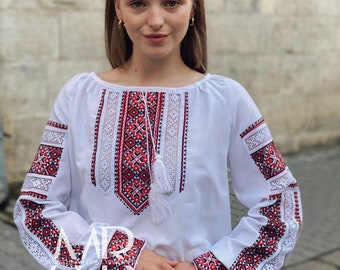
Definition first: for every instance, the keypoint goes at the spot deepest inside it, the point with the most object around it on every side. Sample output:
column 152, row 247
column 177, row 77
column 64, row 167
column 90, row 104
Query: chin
column 160, row 55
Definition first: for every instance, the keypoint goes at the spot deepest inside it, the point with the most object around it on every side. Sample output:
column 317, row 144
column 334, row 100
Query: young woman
column 132, row 170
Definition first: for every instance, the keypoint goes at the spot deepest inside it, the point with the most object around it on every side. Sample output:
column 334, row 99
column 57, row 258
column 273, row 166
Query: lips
column 156, row 38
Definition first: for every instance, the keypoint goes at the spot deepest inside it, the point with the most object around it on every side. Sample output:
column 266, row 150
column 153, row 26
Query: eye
column 172, row 4
column 137, row 4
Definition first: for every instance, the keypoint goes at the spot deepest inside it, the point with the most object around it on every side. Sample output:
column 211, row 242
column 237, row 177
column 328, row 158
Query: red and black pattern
column 267, row 243
column 298, row 217
column 119, row 255
column 184, row 143
column 33, row 194
column 57, row 125
column 49, row 234
column 252, row 127
column 208, row 261
column 47, row 160
column 134, row 147
column 267, row 158
column 269, row 161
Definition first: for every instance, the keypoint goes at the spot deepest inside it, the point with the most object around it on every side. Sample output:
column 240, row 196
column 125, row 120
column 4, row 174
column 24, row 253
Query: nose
column 155, row 17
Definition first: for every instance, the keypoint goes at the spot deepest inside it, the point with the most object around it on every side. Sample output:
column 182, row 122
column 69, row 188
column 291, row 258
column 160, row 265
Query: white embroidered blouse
column 85, row 202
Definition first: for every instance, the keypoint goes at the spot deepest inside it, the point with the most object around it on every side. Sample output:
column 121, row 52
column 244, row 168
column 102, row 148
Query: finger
column 185, row 266
column 166, row 266
column 172, row 263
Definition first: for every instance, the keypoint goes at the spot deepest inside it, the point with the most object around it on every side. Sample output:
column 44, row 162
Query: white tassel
column 160, row 174
column 159, row 207
column 160, row 186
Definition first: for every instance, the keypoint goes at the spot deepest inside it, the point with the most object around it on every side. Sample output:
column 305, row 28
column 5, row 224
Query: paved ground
column 319, row 244
column 318, row 175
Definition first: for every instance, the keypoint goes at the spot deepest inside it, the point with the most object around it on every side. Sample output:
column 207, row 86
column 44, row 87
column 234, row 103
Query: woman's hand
column 150, row 260
column 185, row 266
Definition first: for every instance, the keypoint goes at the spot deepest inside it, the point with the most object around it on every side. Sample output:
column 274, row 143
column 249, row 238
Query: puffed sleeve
column 262, row 182
column 57, row 237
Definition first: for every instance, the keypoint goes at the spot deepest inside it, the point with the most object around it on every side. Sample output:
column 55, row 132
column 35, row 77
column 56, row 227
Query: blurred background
column 285, row 53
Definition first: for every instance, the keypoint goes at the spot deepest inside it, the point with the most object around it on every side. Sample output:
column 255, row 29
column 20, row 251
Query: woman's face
column 156, row 27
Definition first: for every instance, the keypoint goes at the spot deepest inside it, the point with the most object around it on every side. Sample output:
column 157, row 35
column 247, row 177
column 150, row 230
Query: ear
column 117, row 8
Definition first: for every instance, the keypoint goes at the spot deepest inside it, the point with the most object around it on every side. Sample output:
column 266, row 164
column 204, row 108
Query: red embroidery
column 47, row 160
column 267, row 243
column 57, row 125
column 208, row 261
column 252, row 127
column 45, row 230
column 134, row 147
column 293, row 185
column 33, row 194
column 269, row 161
column 133, row 151
column 118, row 243
column 297, row 208
column 184, row 143
column 48, row 233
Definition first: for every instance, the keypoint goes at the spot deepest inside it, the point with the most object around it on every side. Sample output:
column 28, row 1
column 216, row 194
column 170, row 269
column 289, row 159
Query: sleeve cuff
column 208, row 261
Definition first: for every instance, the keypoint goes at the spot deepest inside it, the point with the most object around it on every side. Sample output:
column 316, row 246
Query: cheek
column 181, row 24
column 182, row 19
column 131, row 27
column 132, row 20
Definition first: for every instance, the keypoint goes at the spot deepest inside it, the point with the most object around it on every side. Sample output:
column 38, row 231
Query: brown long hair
column 193, row 47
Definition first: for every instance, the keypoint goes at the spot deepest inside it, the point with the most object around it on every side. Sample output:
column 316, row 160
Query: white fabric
column 200, row 130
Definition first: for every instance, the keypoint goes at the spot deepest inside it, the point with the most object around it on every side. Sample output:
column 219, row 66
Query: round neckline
column 114, row 86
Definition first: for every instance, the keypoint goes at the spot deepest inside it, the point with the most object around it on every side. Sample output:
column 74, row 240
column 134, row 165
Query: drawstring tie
column 160, row 180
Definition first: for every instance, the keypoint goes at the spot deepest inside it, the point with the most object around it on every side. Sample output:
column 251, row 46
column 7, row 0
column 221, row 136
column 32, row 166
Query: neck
column 154, row 72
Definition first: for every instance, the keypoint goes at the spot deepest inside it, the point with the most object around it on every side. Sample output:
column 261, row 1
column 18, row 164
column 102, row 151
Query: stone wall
column 286, row 54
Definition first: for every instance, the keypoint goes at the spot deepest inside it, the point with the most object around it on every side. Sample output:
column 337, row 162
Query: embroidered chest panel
column 130, row 128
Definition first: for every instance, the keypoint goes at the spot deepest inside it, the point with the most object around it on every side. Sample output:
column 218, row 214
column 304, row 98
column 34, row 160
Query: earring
column 120, row 24
column 192, row 21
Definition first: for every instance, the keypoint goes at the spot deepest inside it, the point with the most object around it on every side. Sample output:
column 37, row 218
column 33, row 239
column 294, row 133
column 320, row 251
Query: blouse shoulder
column 235, row 96
column 232, row 91
column 77, row 83
column 77, row 80
column 226, row 85
column 66, row 97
